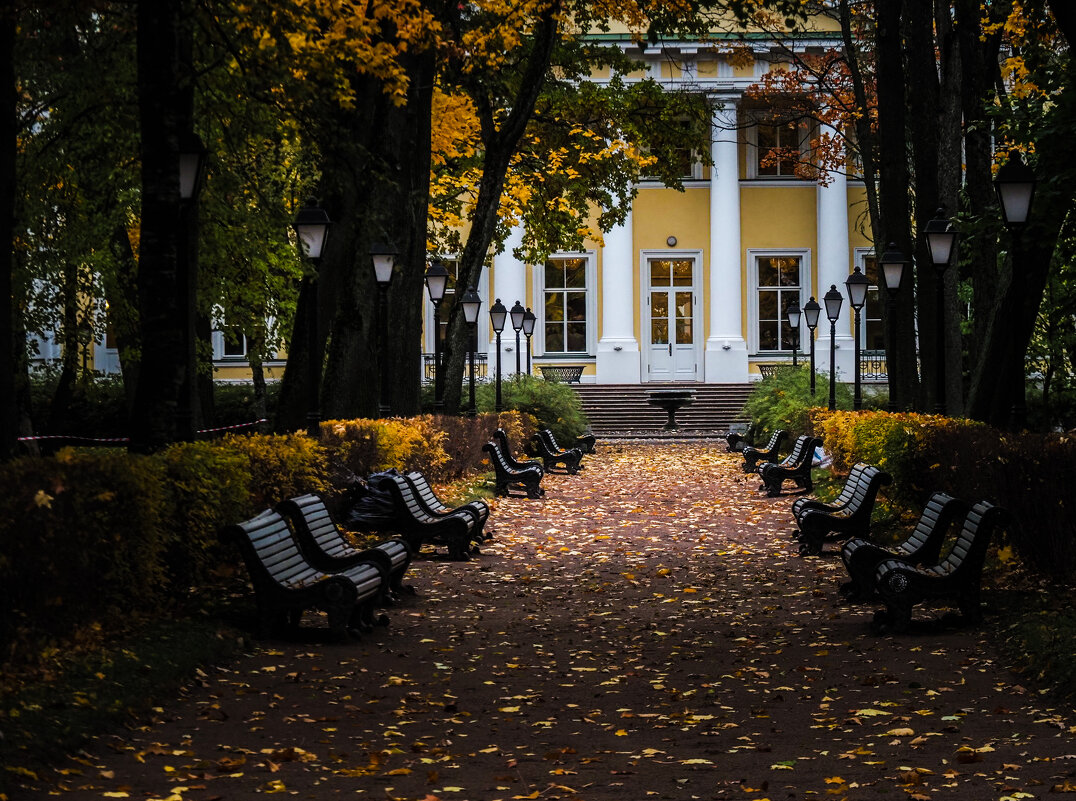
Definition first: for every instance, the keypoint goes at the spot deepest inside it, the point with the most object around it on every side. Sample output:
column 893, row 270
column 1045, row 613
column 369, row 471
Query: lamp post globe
column 517, row 314
column 857, row 284
column 312, row 230
column 497, row 315
column 811, row 311
column 529, row 320
column 833, row 300
column 436, row 283
column 383, row 259
column 892, row 263
column 793, row 314
column 471, row 304
column 941, row 238
column 1015, row 187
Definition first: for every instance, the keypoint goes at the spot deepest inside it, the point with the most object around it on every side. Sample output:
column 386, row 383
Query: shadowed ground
column 644, row 631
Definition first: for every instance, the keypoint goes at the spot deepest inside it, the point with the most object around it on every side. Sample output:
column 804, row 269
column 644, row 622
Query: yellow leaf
column 399, row 772
column 621, row 733
column 901, row 732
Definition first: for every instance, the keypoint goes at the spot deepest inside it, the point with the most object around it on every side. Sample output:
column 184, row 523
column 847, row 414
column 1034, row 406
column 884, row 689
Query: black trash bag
column 373, row 509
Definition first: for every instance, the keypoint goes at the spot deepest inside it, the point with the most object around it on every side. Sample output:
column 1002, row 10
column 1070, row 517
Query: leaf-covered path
column 645, row 631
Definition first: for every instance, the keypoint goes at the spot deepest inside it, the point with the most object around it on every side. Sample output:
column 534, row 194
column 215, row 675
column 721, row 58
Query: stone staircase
column 622, row 410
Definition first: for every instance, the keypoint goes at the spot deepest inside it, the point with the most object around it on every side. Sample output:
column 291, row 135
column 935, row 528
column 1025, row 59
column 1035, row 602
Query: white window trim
column 644, row 303
column 751, row 138
column 806, row 282
column 537, row 306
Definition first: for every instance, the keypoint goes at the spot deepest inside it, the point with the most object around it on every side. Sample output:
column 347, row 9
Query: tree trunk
column 921, row 71
column 894, row 179
column 122, row 296
column 9, row 410
column 64, row 393
column 499, row 143
column 292, row 403
column 979, row 254
column 161, row 373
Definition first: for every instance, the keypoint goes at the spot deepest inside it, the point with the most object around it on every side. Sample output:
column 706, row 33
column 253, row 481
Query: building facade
column 693, row 286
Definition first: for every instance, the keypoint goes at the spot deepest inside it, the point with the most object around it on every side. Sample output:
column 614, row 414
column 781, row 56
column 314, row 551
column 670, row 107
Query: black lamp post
column 528, row 331
column 833, row 301
column 792, row 315
column 857, row 284
column 192, row 160
column 497, row 315
column 471, row 305
column 1015, row 187
column 312, row 228
column 517, row 313
column 892, row 263
column 941, row 236
column 811, row 310
column 436, row 283
column 384, row 259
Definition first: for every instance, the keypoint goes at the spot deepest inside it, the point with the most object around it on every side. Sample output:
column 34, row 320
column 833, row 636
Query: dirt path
column 645, row 631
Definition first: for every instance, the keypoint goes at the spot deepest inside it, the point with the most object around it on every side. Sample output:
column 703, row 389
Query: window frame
column 761, row 117
column 538, row 344
column 806, row 281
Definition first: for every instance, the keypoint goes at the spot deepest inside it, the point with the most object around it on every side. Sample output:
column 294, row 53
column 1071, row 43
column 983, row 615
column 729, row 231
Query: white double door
column 672, row 301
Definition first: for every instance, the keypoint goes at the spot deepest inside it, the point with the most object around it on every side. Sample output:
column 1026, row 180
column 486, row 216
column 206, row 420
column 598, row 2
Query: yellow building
column 693, row 287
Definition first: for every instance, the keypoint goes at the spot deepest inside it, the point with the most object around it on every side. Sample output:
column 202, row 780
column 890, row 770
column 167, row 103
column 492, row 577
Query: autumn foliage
column 970, row 460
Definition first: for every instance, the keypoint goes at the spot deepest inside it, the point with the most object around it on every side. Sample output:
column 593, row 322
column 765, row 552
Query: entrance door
column 672, row 320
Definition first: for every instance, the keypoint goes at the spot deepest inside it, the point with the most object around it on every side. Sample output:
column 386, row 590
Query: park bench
column 326, row 547
column 567, row 374
column 735, row 442
column 794, row 467
column 922, row 547
column 802, row 504
column 501, row 437
column 286, row 584
column 527, row 477
column 457, row 530
column 852, row 519
column 438, row 508
column 586, row 443
column 552, row 454
column 956, row 578
column 752, row 457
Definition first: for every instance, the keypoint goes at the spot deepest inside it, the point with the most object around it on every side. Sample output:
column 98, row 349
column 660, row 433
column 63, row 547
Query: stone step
column 624, row 408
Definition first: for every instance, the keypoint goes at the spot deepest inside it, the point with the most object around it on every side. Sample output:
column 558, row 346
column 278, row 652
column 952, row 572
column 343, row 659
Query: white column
column 510, row 285
column 618, row 349
column 726, row 348
column 833, row 266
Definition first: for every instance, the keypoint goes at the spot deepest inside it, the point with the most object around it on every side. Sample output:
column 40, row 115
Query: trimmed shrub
column 972, row 461
column 82, row 539
column 208, row 485
column 368, row 446
column 783, row 400
column 280, row 467
column 555, row 406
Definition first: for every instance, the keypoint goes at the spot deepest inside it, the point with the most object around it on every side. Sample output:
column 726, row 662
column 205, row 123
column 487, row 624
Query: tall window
column 777, row 149
column 235, row 344
column 565, row 301
column 873, row 333
column 780, row 282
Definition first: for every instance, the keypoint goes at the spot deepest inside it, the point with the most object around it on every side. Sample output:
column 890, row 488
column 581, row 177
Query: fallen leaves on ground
column 645, row 630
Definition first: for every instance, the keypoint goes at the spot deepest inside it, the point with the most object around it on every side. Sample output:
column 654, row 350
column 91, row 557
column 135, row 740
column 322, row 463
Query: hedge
column 1025, row 473
column 87, row 535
